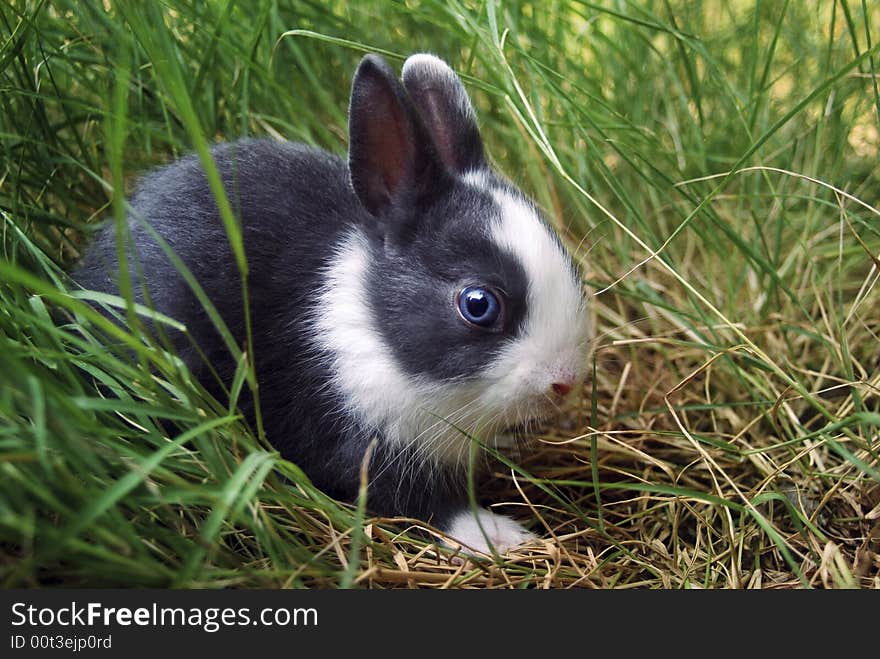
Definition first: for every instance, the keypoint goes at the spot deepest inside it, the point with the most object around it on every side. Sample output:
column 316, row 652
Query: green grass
column 714, row 166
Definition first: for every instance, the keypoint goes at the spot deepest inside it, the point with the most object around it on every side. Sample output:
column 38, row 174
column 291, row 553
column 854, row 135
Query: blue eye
column 479, row 306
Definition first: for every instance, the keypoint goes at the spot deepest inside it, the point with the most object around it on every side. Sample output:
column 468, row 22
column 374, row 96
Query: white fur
column 502, row 532
column 552, row 346
column 363, row 365
column 479, row 179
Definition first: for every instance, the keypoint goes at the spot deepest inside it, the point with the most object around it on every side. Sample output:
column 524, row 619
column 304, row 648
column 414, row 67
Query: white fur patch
column 363, row 366
column 503, row 532
column 552, row 346
column 477, row 178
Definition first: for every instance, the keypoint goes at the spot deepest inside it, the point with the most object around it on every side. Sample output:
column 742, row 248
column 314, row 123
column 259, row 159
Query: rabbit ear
column 446, row 111
column 390, row 158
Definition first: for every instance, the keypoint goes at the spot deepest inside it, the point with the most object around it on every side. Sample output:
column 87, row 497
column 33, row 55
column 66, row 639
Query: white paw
column 502, row 532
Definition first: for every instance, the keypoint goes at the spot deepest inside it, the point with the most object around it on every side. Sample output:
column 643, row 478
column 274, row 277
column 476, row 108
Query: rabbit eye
column 479, row 306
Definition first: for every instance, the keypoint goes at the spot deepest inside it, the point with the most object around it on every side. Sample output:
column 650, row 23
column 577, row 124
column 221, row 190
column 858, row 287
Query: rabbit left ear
column 446, row 111
column 391, row 159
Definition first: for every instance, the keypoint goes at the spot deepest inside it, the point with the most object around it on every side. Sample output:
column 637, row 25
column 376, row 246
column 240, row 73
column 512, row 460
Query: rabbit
column 407, row 299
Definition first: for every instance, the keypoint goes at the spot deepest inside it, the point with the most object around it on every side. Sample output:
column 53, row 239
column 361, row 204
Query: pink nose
column 561, row 388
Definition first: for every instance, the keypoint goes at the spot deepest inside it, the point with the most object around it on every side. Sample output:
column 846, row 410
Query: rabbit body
column 408, row 295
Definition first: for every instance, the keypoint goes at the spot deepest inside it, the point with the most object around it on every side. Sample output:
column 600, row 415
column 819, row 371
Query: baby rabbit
column 410, row 295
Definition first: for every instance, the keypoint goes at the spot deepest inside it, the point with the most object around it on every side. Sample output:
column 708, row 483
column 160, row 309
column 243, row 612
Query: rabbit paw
column 503, row 533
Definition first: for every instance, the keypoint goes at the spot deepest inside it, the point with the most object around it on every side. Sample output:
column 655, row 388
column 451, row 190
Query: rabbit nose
column 561, row 388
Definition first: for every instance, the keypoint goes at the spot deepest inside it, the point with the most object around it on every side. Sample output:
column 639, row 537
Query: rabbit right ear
column 446, row 110
column 391, row 160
